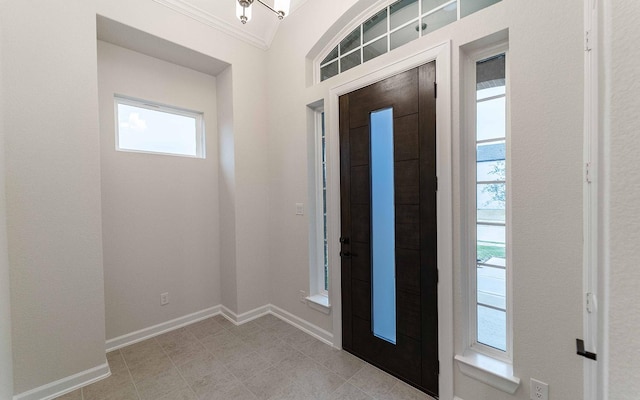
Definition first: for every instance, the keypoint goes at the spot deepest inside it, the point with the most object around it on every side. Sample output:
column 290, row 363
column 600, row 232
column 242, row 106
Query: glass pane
column 332, row 54
column 383, row 226
column 351, row 42
column 141, row 129
column 375, row 49
column 492, row 286
column 491, row 119
column 428, row 5
column 492, row 327
column 490, row 92
column 490, row 161
column 439, row 18
column 470, row 6
column 491, row 197
column 349, row 61
column 375, row 26
column 404, row 35
column 403, row 11
column 329, row 70
column 491, row 244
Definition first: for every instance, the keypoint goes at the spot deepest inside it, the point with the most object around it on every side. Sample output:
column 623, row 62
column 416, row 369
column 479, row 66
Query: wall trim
column 152, row 331
column 215, row 22
column 66, row 385
column 307, row 327
column 293, row 320
column 236, row 319
column 239, row 319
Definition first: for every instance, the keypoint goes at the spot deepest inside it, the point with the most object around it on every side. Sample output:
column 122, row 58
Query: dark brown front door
column 388, row 222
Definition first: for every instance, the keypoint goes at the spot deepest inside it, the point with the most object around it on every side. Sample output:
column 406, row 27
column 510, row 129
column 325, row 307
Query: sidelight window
column 319, row 245
column 490, row 263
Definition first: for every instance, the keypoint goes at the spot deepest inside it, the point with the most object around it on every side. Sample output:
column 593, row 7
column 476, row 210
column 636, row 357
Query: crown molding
column 215, row 22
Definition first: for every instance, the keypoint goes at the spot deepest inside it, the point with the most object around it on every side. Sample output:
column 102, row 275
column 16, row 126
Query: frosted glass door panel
column 383, row 226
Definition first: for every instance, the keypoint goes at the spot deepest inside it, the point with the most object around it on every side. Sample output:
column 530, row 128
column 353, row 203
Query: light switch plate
column 299, row 209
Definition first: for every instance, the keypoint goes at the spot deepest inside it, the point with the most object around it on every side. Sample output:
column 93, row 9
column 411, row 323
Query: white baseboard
column 147, row 333
column 318, row 333
column 237, row 319
column 244, row 317
column 66, row 385
column 311, row 329
column 457, row 398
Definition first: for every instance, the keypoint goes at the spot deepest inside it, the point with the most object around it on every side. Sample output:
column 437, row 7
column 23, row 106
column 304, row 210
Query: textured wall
column 159, row 213
column 622, row 100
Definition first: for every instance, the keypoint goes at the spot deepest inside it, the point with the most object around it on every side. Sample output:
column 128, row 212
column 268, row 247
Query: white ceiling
column 221, row 14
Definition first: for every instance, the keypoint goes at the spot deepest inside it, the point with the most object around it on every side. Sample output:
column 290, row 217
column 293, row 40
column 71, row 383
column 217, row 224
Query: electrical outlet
column 164, row 299
column 539, row 390
column 303, row 296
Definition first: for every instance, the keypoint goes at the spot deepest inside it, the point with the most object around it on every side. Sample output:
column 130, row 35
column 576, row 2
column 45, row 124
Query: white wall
column 546, row 64
column 159, row 213
column 53, row 189
column 226, row 141
column 6, row 362
column 250, row 169
column 622, row 102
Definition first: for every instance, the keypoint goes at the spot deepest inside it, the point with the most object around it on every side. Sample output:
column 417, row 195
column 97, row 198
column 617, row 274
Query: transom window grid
column 490, row 310
column 396, row 25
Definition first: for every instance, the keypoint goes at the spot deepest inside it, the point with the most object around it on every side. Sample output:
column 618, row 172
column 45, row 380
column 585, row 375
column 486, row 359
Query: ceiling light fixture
column 243, row 9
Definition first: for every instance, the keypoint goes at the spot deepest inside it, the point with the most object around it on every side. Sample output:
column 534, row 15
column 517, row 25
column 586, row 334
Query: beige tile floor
column 265, row 359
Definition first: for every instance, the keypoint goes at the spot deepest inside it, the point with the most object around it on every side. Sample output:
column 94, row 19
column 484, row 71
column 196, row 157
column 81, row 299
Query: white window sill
column 319, row 302
column 493, row 372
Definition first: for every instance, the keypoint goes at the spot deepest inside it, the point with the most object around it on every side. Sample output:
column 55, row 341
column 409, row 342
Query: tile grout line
column 130, row 375
column 225, row 365
column 177, row 369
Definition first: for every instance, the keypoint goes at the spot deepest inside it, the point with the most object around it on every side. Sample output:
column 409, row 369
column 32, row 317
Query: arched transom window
column 393, row 26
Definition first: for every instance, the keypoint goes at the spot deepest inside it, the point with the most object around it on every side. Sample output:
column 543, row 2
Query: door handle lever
column 345, row 254
column 582, row 352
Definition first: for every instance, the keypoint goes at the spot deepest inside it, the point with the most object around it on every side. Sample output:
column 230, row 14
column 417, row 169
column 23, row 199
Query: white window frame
column 364, row 17
column 479, row 361
column 318, row 296
column 154, row 106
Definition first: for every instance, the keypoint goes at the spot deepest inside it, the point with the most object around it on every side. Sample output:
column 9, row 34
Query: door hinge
column 438, row 367
column 587, row 40
column 435, row 90
column 436, row 183
column 587, row 172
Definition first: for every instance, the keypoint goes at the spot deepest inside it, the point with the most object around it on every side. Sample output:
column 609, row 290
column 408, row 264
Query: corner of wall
column 227, row 191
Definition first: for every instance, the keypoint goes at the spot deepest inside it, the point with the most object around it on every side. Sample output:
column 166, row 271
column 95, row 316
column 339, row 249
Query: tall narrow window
column 325, row 246
column 318, row 243
column 491, row 205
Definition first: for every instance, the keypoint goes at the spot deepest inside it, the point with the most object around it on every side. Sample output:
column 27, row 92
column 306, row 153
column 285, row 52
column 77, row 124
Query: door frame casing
column 441, row 54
